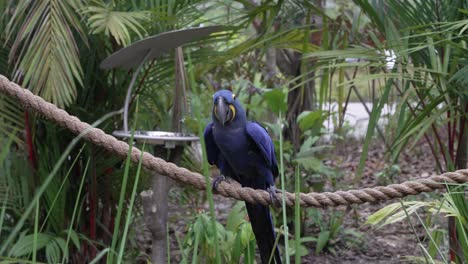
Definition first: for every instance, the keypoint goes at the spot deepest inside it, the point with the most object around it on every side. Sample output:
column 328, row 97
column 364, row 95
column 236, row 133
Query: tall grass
column 297, row 216
column 39, row 193
column 123, row 188
column 283, row 191
column 197, row 109
column 39, row 239
column 209, row 190
column 77, row 205
column 444, row 207
column 130, row 207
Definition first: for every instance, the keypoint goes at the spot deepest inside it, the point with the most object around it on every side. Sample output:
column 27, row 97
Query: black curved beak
column 221, row 110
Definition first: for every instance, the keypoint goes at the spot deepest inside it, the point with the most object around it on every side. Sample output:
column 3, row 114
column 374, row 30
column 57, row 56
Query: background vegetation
column 293, row 64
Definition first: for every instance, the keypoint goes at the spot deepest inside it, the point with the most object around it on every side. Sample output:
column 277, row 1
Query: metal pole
column 129, row 90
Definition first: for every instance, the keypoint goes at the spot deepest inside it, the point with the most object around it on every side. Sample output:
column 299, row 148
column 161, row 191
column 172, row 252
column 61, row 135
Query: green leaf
column 235, row 217
column 246, row 234
column 303, row 251
column 24, row 245
column 310, row 163
column 75, row 239
column 104, row 19
column 51, row 63
column 436, row 241
column 276, row 100
column 373, row 122
column 237, row 250
column 322, row 241
column 198, row 226
column 62, row 245
column 53, row 252
column 308, row 239
column 380, row 215
column 311, row 119
column 389, row 213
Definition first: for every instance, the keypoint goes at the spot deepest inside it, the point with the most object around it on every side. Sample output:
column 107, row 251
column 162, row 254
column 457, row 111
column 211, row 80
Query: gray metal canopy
column 153, row 47
column 141, row 51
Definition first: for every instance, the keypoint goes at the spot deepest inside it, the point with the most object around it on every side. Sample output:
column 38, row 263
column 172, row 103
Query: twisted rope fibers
column 313, row 199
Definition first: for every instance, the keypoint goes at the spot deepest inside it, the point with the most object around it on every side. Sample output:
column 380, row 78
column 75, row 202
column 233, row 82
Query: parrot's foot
column 273, row 198
column 216, row 181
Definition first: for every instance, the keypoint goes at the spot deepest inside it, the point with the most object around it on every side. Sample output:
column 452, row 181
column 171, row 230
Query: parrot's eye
column 234, row 96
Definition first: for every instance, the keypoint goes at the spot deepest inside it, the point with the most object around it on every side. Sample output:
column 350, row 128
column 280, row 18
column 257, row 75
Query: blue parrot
column 243, row 151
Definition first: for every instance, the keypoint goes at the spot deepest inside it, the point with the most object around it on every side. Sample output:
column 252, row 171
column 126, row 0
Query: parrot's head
column 226, row 107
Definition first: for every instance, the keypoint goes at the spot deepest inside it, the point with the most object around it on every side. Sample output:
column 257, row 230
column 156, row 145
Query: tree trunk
column 299, row 100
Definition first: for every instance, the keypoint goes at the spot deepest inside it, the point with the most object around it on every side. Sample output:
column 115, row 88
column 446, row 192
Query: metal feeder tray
column 168, row 139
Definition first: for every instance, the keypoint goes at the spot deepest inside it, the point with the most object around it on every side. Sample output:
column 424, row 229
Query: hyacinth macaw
column 243, row 151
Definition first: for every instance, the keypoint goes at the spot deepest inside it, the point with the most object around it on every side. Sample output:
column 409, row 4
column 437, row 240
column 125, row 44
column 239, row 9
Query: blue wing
column 215, row 157
column 212, row 150
column 264, row 143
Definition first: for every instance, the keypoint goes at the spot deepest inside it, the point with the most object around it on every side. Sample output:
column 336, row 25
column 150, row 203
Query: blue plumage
column 243, row 151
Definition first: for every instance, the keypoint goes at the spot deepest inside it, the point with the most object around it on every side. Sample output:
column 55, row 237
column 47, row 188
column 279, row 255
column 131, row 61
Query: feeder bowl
column 168, row 139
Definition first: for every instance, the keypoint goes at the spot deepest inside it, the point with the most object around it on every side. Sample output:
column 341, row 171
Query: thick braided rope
column 98, row 137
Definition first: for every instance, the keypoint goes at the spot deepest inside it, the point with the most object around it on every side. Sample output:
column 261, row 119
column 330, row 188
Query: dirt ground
column 391, row 244
column 394, row 243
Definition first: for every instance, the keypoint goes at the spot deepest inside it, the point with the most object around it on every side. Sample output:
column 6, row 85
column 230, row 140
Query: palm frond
column 11, row 115
column 44, row 49
column 461, row 77
column 103, row 18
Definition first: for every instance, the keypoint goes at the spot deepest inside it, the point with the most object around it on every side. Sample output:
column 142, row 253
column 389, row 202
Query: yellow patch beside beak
column 233, row 110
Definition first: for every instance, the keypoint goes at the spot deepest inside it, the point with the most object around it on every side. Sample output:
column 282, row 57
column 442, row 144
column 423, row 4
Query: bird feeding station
column 166, row 145
column 135, row 55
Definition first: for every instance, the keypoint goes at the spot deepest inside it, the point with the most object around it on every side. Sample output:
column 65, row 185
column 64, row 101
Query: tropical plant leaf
column 103, row 18
column 276, row 100
column 24, row 245
column 44, row 50
column 311, row 119
column 235, row 217
column 11, row 114
column 322, row 241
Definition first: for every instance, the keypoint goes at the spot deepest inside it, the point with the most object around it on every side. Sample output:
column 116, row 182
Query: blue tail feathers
column 262, row 225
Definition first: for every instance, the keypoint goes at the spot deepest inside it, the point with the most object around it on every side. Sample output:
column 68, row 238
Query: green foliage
column 331, row 232
column 55, row 48
column 244, row 244
column 129, row 218
column 312, row 120
column 54, row 246
column 437, row 236
column 276, row 100
column 390, row 215
column 11, row 117
column 44, row 48
column 120, row 209
column 236, row 240
column 446, row 207
column 103, row 18
column 387, row 174
column 299, row 250
column 309, row 156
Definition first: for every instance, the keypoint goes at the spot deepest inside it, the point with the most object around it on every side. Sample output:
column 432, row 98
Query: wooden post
column 155, row 201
